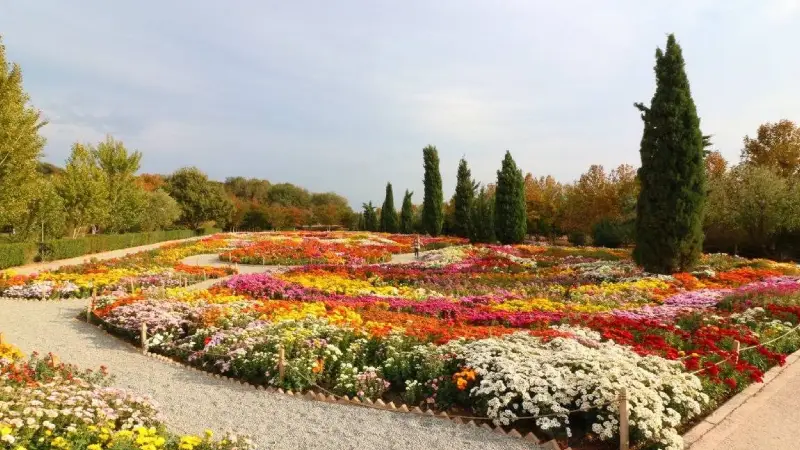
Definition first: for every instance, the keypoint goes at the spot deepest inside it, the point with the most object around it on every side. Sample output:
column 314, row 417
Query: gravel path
column 192, row 402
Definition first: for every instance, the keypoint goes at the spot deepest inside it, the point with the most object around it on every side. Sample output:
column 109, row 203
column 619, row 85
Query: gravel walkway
column 192, row 402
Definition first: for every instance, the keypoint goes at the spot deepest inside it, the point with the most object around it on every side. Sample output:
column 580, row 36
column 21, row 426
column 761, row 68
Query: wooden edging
column 531, row 438
column 726, row 409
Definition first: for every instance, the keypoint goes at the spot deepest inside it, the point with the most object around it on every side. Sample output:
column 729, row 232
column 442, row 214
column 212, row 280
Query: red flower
column 731, row 382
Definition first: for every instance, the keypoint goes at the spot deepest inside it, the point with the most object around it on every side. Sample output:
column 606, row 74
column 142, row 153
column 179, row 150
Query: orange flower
column 318, row 366
column 461, row 384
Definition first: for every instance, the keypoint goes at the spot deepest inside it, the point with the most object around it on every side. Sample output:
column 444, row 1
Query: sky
column 342, row 96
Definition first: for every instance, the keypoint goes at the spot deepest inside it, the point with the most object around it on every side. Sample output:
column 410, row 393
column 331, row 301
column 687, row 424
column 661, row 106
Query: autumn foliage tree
column 776, row 146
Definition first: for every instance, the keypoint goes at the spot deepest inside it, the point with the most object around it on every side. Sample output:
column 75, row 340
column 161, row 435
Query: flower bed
column 159, row 268
column 48, row 404
column 533, row 337
column 300, row 248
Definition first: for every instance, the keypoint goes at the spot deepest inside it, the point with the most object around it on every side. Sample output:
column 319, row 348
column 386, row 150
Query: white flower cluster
column 521, row 375
column 443, row 257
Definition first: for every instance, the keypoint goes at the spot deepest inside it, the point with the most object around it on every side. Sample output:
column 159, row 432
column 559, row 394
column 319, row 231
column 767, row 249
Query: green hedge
column 23, row 253
column 16, row 254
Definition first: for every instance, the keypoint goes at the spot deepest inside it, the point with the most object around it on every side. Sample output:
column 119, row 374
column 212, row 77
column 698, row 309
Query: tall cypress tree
column 510, row 216
column 389, row 220
column 433, row 201
column 669, row 214
column 462, row 200
column 482, row 219
column 407, row 214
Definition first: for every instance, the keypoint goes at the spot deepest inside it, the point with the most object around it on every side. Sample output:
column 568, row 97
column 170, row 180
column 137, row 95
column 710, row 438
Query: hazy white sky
column 342, row 96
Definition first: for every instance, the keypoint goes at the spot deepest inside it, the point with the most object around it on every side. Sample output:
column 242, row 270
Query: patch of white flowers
column 443, row 257
column 521, row 375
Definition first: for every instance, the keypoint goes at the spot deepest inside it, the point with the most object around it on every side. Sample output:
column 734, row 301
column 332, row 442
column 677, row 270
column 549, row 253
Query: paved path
column 770, row 419
column 53, row 265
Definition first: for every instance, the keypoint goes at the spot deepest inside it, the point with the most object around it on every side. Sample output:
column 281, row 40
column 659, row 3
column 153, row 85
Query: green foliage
column 330, row 208
column 407, row 214
column 45, row 214
column 84, row 189
column 160, row 211
column 200, row 199
column 250, row 189
column 286, row 194
column 20, row 143
column 577, row 238
column 126, row 199
column 256, row 219
column 611, row 233
column 510, row 215
column 462, row 200
column 389, row 221
column 71, row 248
column 433, row 200
column 370, row 217
column 669, row 234
column 752, row 207
column 17, row 254
column 482, row 218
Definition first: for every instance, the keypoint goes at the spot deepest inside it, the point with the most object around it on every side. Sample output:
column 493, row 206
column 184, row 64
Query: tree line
column 684, row 198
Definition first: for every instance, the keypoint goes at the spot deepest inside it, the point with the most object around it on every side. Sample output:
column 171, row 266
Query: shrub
column 16, row 254
column 610, row 233
column 577, row 238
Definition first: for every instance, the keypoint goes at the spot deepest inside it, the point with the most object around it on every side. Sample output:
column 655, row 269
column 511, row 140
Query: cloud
column 343, row 96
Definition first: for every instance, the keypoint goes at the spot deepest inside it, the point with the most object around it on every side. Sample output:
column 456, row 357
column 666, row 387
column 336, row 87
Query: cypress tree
column 389, row 220
column 510, row 216
column 433, row 200
column 407, row 214
column 462, row 200
column 669, row 212
column 482, row 213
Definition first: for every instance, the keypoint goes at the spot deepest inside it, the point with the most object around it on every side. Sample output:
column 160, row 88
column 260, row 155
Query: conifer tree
column 510, row 216
column 433, row 201
column 482, row 219
column 669, row 215
column 407, row 214
column 370, row 217
column 462, row 200
column 21, row 144
column 389, row 220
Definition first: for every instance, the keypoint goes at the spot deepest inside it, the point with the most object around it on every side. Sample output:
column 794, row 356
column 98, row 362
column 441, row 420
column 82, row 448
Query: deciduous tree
column 20, row 144
column 777, row 146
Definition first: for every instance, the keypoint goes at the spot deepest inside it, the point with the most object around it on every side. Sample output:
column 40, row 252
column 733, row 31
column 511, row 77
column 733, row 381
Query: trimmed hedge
column 16, row 254
column 23, row 253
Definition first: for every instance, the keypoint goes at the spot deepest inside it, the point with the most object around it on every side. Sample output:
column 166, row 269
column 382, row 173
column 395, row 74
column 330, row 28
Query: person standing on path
column 417, row 245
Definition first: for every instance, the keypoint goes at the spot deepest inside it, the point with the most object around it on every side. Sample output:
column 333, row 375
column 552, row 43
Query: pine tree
column 20, row 144
column 510, row 215
column 389, row 221
column 462, row 200
column 407, row 214
column 433, row 201
column 370, row 217
column 482, row 218
column 669, row 214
